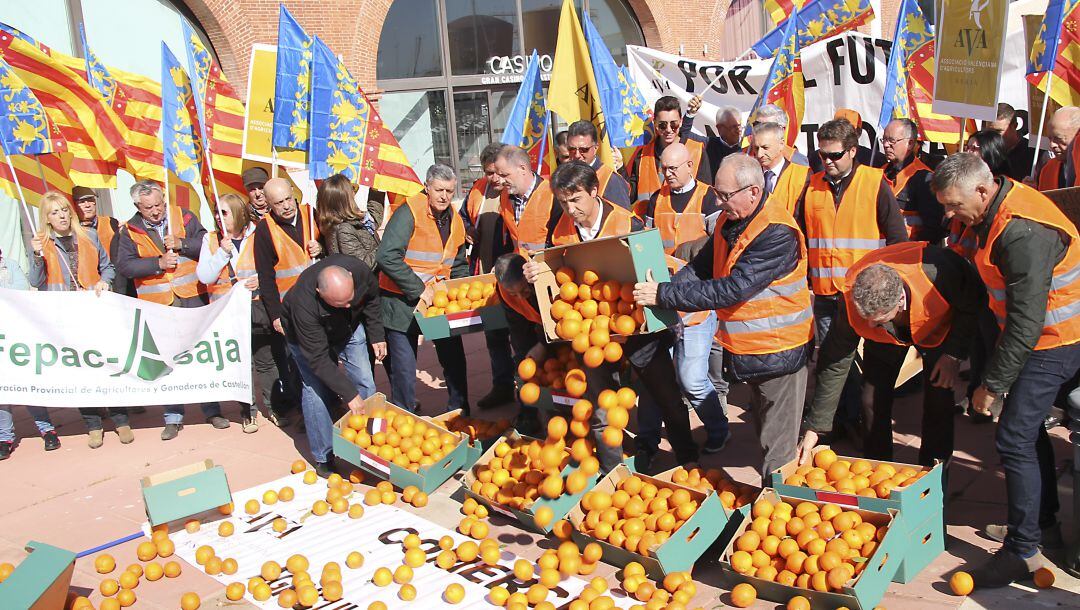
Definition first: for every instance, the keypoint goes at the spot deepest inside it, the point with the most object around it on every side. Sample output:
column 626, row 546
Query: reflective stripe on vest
column 426, row 254
column 837, row 236
column 1061, row 325
column 780, row 317
column 530, row 234
column 911, row 217
column 86, row 271
column 292, row 257
column 677, row 228
column 929, row 314
column 1050, row 175
column 163, row 287
column 242, row 269
column 617, row 222
column 522, row 306
column 648, row 173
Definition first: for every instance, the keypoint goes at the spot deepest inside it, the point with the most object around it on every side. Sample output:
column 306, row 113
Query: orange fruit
column 837, row 577
column 529, row 393
column 171, row 569
column 526, row 369
column 109, row 604
column 153, row 571
column 234, row 592
column 798, row 603
column 189, row 601
column 613, row 352
column 299, row 466
column 420, row 500
column 564, row 275
column 354, row 560
column 824, row 458
column 612, row 437
column 556, row 428
column 594, row 357
column 251, row 507
column 454, row 593
column 568, row 292
column 618, row 418
column 1044, row 578
column 104, row 564
column 625, row 325
column 108, row 587
column 543, row 516
column 743, row 595
column 192, row 525
column 129, row 580
column 961, row 583
column 742, row 562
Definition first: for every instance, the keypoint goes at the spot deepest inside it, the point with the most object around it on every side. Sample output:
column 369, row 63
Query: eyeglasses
column 724, row 197
column 581, row 150
column 894, row 141
column 665, row 125
column 672, row 168
column 831, row 156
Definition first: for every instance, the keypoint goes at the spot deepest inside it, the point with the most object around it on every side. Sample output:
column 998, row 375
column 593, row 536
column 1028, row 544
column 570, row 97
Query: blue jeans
column 316, row 399
column 1026, row 454
column 174, row 414
column 401, row 349
column 7, row 425
column 692, row 367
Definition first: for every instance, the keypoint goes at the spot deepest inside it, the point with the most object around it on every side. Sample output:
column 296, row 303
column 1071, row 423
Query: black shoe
column 527, row 423
column 1071, row 564
column 717, row 445
column 278, row 419
column 499, row 395
column 218, row 422
column 6, row 447
column 170, row 431
column 52, row 441
column 643, row 462
column 1005, row 568
column 324, row 469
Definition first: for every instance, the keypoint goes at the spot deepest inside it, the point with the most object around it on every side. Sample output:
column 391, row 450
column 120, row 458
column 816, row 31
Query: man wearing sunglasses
column 582, row 142
column 910, row 179
column 643, row 169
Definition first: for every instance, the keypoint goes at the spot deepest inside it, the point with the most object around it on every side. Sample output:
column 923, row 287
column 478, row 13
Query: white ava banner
column 377, row 535
column 76, row 349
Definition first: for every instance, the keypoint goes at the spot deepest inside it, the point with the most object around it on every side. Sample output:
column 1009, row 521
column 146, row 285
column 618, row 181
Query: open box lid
column 41, row 581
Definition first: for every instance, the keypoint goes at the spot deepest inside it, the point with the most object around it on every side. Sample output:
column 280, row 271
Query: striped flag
column 780, row 10
column 180, row 136
column 818, row 20
column 1056, row 50
column 347, row 134
column 784, row 82
column 37, row 174
column 527, row 125
column 292, row 84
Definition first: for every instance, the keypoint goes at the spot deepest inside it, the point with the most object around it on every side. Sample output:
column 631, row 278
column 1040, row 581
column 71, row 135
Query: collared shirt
column 519, row 201
column 771, row 180
column 686, row 188
column 159, row 227
column 590, row 233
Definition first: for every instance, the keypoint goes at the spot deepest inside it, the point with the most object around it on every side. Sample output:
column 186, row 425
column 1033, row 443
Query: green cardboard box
column 473, row 449
column 925, row 543
column 488, row 317
column 427, row 479
column 637, row 257
column 41, row 581
column 559, row 506
column 862, row 592
column 185, row 491
column 679, row 552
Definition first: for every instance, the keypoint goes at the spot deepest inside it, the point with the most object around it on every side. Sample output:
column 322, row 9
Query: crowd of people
column 781, row 266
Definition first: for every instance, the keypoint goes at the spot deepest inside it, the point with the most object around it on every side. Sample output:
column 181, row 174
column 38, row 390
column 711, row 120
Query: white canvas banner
column 76, row 349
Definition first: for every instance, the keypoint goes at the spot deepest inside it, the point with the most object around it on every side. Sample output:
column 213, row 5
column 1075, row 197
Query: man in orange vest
column 528, row 210
column 643, row 169
column 106, row 228
column 909, row 178
column 785, row 180
column 1028, row 256
column 771, row 113
column 753, row 274
column 255, row 179
column 158, row 249
column 905, row 294
column 488, row 239
column 1062, row 129
column 582, row 143
column 424, row 243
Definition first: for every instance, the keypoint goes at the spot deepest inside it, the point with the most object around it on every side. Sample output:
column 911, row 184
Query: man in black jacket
column 331, row 315
column 763, row 304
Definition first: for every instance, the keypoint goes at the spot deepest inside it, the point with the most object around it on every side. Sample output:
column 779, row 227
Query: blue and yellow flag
column 784, row 82
column 96, row 73
column 527, row 125
column 179, row 120
column 292, row 84
column 1044, row 48
column 1062, row 35
column 625, row 110
column 24, row 125
column 818, row 20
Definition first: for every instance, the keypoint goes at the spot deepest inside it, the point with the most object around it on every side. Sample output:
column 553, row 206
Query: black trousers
column 275, row 374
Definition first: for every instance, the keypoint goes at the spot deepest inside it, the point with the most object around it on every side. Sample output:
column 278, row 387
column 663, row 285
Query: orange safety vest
column 242, row 269
column 476, row 198
column 604, row 174
column 616, row 223
column 1050, row 175
column 105, row 233
column 520, row 305
column 691, row 318
column 86, row 275
column 838, row 236
column 164, row 286
column 426, row 254
column 961, row 239
column 778, row 318
column 929, row 313
column 1062, row 323
column 648, row 174
column 789, row 186
column 530, row 234
column 911, row 217
column 292, row 257
column 677, row 228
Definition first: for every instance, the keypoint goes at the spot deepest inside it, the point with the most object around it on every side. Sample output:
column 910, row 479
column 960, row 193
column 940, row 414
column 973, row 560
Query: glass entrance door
column 472, row 115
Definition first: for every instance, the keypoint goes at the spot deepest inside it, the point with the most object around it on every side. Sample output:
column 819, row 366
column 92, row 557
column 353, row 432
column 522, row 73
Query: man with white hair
column 728, row 123
column 527, row 206
column 910, row 178
column 785, row 180
column 771, row 113
column 1027, row 254
column 1059, row 172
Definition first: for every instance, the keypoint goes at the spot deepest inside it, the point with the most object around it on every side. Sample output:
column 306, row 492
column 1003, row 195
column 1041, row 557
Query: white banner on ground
column 377, row 536
column 75, row 349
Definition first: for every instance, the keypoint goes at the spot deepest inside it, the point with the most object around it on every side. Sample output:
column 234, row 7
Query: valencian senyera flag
column 527, row 125
column 910, row 84
column 179, row 120
column 784, row 82
column 818, row 19
column 625, row 110
column 292, row 84
column 780, row 10
column 1056, row 50
column 347, row 134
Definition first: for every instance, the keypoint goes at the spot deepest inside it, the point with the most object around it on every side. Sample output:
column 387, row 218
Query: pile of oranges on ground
column 465, row 297
column 587, row 314
column 640, row 515
column 732, row 493
column 408, row 441
column 808, row 545
column 857, row 477
column 676, row 590
column 476, row 429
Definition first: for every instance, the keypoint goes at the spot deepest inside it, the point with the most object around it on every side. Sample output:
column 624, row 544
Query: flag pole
column 168, row 229
column 22, row 195
column 1042, row 121
column 41, row 173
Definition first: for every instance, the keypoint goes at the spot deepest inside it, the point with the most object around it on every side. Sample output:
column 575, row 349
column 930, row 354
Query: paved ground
column 77, row 498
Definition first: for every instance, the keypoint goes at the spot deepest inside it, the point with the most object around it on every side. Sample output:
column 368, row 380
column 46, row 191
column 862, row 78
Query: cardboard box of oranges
column 663, row 526
column 834, row 557
column 395, row 445
column 455, row 311
column 184, row 492
column 525, row 509
column 602, row 273
column 41, row 581
column 479, row 434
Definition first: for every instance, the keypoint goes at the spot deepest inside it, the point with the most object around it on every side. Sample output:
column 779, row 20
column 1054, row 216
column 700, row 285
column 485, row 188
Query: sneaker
column 95, row 439
column 6, row 447
column 52, row 441
column 716, row 445
column 1050, row 538
column 125, row 434
column 278, row 419
column 499, row 395
column 170, row 431
column 218, row 422
column 324, row 469
column 1005, row 568
column 249, row 425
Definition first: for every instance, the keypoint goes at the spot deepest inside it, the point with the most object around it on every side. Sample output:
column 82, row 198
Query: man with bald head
column 1060, row 171
column 680, row 207
column 330, row 316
